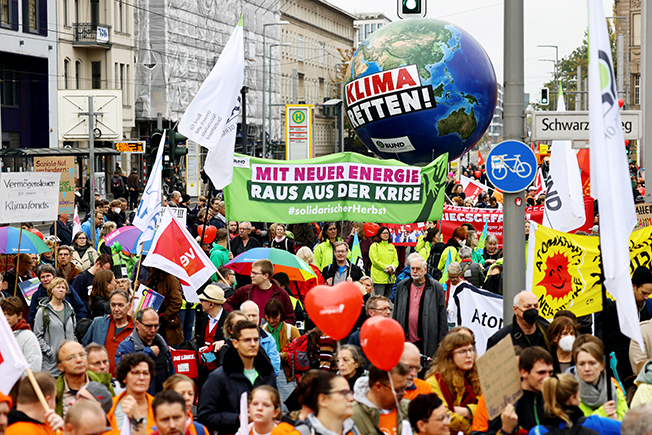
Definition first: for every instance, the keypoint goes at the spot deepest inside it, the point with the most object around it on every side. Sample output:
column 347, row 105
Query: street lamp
column 278, row 23
column 269, row 92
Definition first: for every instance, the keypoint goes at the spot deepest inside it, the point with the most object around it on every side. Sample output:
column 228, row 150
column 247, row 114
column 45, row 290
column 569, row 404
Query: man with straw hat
column 208, row 328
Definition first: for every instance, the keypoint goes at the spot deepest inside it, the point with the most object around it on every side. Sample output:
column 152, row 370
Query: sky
column 551, row 22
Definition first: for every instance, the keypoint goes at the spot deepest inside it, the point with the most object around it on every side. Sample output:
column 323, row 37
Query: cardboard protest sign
column 29, row 196
column 343, row 186
column 499, row 377
column 66, row 167
column 145, row 297
column 643, row 215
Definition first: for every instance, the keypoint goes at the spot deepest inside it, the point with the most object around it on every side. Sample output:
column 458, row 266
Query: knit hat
column 7, row 400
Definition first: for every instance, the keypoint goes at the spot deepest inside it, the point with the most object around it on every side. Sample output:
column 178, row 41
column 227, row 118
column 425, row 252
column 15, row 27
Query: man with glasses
column 341, row 269
column 527, row 328
column 375, row 397
column 376, row 305
column 66, row 269
column 421, row 308
column 146, row 339
column 244, row 368
column 411, row 357
column 111, row 329
column 72, row 362
column 243, row 242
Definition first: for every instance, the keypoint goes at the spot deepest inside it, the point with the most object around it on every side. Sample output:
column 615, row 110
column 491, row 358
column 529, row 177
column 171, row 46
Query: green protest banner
column 343, row 186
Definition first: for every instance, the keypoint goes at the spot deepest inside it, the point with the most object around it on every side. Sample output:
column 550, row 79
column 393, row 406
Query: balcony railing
column 92, row 34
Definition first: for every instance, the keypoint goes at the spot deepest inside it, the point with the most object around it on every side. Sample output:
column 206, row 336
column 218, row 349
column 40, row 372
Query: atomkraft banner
column 563, row 270
column 343, row 186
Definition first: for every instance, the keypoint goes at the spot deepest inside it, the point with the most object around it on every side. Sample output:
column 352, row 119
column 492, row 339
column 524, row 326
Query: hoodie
column 28, row 344
column 644, row 382
column 367, row 416
column 311, row 425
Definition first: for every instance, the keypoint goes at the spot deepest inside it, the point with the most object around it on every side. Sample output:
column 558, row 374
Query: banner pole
column 208, row 204
column 56, row 243
column 140, row 260
column 609, row 373
column 17, row 260
column 37, row 390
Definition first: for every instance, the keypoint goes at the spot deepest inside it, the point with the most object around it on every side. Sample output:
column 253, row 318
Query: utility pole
column 646, row 89
column 514, row 129
column 91, row 161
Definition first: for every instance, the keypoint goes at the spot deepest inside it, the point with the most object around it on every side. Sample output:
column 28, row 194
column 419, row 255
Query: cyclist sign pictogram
column 511, row 166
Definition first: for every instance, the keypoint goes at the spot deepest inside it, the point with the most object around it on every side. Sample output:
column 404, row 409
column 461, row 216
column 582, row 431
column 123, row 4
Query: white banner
column 12, row 360
column 29, row 196
column 479, row 310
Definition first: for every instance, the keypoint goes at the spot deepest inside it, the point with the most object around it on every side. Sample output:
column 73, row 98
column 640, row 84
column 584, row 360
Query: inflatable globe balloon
column 418, row 88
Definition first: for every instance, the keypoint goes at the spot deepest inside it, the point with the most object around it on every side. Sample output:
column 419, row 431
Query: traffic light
column 545, row 96
column 155, row 141
column 411, row 8
column 175, row 139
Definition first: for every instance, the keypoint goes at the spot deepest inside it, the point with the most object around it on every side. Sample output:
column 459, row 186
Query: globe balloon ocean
column 419, row 88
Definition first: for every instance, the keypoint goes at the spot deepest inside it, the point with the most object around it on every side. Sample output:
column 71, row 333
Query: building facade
column 320, row 40
column 28, row 73
column 367, row 23
column 630, row 11
column 496, row 127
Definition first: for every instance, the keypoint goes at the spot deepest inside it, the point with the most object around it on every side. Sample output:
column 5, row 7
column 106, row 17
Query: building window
column 78, row 75
column 122, row 83
column 32, row 15
column 121, row 17
column 9, row 87
column 126, row 97
column 373, row 28
column 6, row 9
column 65, row 12
column 637, row 89
column 359, row 35
column 96, row 75
column 66, row 68
column 300, row 49
column 379, row 26
column 366, row 31
column 95, row 12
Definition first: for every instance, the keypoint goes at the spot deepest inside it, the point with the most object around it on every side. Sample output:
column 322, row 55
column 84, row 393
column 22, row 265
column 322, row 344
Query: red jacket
column 244, row 293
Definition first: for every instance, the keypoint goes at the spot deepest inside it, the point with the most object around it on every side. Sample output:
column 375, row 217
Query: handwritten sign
column 643, row 215
column 499, row 377
column 28, row 196
column 66, row 167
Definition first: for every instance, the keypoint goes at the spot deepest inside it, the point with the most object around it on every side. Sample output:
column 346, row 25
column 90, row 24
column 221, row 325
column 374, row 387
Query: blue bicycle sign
column 511, row 166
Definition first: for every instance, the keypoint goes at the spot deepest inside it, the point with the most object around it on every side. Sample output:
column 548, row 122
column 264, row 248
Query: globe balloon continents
column 418, row 88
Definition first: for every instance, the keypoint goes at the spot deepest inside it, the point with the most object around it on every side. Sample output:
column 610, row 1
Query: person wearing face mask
column 114, row 213
column 527, row 328
column 453, row 245
column 562, row 332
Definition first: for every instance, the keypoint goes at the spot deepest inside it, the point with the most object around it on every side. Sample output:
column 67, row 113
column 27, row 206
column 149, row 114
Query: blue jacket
column 72, row 297
column 268, row 343
column 99, row 329
column 603, row 426
column 134, row 343
column 405, row 273
column 86, row 228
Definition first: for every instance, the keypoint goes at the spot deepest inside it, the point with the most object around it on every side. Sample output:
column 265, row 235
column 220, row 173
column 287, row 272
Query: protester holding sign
column 384, row 262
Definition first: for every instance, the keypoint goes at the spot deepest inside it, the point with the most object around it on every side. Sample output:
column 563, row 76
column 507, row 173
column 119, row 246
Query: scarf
column 277, row 240
column 468, row 397
column 596, row 396
column 81, row 250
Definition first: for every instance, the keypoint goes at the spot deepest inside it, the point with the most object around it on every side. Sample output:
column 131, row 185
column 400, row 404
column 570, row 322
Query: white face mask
column 566, row 343
column 117, row 210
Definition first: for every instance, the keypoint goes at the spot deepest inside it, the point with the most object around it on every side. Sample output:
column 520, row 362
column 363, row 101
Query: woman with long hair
column 590, row 372
column 103, row 285
column 83, row 254
column 324, row 250
column 107, row 229
column 454, row 377
column 561, row 394
column 280, row 240
column 331, row 399
column 185, row 386
column 562, row 333
column 384, row 262
column 457, row 240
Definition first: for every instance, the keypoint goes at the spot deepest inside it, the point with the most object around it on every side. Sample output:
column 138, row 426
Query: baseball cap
column 101, row 394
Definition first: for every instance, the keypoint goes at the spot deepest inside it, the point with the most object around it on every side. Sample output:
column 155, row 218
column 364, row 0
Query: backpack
column 433, row 260
column 298, row 353
column 82, row 328
column 577, row 429
column 116, row 182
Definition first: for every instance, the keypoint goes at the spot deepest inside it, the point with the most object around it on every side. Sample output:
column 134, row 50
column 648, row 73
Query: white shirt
column 212, row 322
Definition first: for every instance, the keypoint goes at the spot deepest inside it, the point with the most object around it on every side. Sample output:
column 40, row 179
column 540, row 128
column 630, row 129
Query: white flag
column 175, row 251
column 610, row 182
column 12, row 361
column 149, row 209
column 76, row 223
column 564, row 209
column 212, row 116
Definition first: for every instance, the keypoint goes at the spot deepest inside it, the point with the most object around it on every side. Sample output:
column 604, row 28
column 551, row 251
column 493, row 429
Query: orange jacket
column 28, row 428
column 150, row 412
column 422, row 387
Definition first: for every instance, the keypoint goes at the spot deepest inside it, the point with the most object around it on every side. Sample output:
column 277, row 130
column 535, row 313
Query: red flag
column 175, row 251
column 472, row 188
column 480, row 159
column 12, row 360
column 539, row 183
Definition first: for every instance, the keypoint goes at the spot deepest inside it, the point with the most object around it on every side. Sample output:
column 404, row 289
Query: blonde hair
column 174, row 380
column 55, row 282
column 306, row 254
column 557, row 391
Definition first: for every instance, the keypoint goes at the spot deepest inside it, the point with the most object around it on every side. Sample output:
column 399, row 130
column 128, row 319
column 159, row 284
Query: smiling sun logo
column 557, row 280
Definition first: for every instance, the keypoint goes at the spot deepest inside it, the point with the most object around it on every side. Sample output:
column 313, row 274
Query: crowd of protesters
column 102, row 367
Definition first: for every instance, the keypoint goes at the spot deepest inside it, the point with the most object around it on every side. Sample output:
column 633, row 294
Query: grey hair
column 412, row 257
column 244, row 222
column 465, row 252
column 420, row 259
column 491, row 239
column 454, row 268
column 637, row 421
column 356, row 353
column 517, row 298
column 367, row 278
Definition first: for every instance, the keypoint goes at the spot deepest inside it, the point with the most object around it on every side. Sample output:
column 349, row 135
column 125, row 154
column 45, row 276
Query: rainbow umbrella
column 30, row 243
column 128, row 237
column 283, row 261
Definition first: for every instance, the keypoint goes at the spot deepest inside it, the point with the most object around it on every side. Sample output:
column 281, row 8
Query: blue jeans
column 187, row 318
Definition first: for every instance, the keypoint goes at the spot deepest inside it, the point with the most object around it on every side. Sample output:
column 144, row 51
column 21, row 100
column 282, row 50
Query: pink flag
column 76, row 223
column 12, row 360
column 175, row 251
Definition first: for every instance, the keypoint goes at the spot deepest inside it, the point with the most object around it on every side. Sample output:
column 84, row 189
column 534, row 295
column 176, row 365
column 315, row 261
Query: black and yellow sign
column 130, row 147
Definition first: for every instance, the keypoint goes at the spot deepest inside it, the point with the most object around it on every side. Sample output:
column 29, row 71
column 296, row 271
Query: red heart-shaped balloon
column 334, row 309
column 370, row 229
column 37, row 232
column 382, row 341
column 209, row 235
column 621, row 102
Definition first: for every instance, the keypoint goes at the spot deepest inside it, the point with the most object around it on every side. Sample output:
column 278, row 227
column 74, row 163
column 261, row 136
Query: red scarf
column 468, row 397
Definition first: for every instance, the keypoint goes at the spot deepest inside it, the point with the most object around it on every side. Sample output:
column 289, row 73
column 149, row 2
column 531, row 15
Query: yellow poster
column 564, row 269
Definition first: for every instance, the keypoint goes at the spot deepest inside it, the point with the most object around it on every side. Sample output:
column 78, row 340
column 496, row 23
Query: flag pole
column 140, row 260
column 609, row 373
column 208, row 203
column 37, row 390
column 56, row 244
column 17, row 261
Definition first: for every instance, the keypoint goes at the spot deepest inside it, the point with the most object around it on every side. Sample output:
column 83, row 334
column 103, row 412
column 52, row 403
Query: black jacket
column 529, row 409
column 539, row 338
column 99, row 306
column 219, row 400
column 351, row 270
column 237, row 247
column 64, row 232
